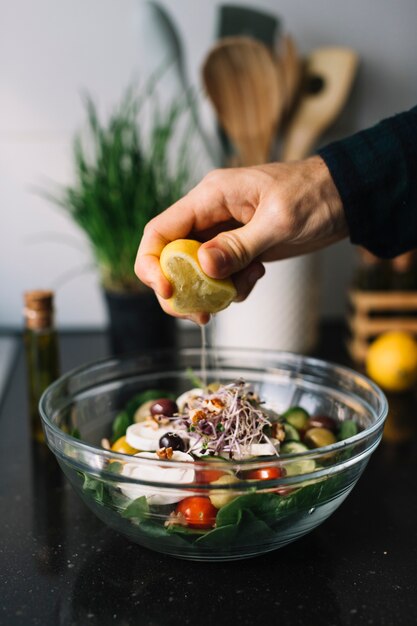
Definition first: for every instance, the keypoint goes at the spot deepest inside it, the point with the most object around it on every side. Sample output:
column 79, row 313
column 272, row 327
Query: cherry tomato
column 264, row 473
column 197, row 511
column 205, row 476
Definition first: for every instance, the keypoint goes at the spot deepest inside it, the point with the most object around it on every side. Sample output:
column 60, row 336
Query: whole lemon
column 391, row 361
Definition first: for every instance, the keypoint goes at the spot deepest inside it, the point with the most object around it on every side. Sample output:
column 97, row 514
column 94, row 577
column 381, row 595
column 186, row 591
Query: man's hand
column 246, row 216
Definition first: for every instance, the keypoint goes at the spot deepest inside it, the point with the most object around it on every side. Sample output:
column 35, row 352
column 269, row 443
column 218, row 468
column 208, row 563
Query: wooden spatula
column 236, row 20
column 241, row 80
column 329, row 75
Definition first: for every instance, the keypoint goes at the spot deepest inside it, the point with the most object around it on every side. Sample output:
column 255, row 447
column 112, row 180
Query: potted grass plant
column 122, row 180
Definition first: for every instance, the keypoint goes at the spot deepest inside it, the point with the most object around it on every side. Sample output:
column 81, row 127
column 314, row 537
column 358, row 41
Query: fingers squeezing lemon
column 193, row 290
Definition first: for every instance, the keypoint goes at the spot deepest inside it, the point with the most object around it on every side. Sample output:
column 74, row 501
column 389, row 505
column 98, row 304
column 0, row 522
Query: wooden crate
column 375, row 312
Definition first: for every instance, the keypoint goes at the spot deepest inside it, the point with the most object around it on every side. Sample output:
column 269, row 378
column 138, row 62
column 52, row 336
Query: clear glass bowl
column 262, row 515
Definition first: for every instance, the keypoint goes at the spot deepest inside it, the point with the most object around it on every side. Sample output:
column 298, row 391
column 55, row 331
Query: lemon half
column 194, row 291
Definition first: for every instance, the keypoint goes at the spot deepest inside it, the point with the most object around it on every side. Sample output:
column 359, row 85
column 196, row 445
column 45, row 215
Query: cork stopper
column 39, row 309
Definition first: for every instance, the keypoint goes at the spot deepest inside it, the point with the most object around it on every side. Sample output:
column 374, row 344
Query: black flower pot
column 138, row 323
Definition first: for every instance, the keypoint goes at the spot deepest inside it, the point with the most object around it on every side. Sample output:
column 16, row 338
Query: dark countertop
column 59, row 565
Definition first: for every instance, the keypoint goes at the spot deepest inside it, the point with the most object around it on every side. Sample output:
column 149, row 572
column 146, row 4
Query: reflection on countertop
column 8, row 348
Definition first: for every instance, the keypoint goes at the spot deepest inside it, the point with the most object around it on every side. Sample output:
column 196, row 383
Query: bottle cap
column 38, row 309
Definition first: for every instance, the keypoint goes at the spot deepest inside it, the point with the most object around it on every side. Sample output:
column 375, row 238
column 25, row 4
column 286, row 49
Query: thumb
column 233, row 250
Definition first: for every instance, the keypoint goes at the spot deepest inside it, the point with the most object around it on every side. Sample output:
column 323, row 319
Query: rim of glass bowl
column 280, row 358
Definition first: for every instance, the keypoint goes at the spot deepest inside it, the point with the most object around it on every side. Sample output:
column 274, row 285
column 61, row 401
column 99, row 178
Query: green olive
column 221, row 497
column 143, row 411
column 319, row 437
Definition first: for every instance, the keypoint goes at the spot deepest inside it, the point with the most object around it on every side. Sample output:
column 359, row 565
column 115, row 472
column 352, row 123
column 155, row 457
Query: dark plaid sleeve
column 375, row 172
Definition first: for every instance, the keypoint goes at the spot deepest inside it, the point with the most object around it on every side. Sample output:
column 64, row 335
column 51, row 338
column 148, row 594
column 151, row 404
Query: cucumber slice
column 293, row 447
column 291, row 433
column 296, row 468
column 297, row 417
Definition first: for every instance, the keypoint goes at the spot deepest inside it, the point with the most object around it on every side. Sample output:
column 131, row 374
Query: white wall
column 50, row 51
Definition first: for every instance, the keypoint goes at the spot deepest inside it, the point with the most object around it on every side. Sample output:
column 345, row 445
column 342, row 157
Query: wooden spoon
column 329, row 74
column 290, row 66
column 241, row 80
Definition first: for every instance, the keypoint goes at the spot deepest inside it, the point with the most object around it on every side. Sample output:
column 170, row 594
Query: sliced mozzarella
column 187, row 397
column 144, row 435
column 255, row 450
column 158, row 473
column 262, row 449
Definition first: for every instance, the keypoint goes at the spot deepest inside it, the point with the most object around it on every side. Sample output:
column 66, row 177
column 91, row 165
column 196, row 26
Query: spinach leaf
column 248, row 529
column 310, row 496
column 96, row 489
column 252, row 530
column 156, row 531
column 263, row 505
column 221, row 536
column 92, row 484
column 179, row 529
column 138, row 509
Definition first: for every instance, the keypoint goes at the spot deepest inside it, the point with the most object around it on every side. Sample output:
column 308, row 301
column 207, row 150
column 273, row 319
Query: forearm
column 375, row 172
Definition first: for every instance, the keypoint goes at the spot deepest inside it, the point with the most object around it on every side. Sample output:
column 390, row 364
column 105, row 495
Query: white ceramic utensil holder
column 281, row 313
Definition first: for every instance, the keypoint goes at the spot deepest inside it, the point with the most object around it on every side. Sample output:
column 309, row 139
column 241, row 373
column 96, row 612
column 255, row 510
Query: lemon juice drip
column 203, row 362
column 209, row 355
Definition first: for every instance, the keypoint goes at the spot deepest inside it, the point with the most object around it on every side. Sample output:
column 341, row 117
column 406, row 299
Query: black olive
column 322, row 421
column 164, row 406
column 172, row 440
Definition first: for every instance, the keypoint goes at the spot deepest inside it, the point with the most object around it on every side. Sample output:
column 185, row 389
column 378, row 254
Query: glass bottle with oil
column 42, row 354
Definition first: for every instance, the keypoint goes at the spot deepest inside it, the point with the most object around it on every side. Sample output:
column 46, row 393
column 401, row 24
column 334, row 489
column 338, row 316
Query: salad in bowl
column 250, row 461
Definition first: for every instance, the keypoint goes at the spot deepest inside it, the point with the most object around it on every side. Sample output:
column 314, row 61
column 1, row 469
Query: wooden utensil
column 236, row 20
column 241, row 80
column 329, row 77
column 290, row 66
